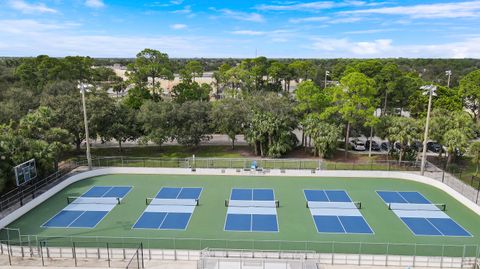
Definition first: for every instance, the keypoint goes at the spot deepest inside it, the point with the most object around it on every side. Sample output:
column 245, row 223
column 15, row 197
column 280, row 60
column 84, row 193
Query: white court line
column 107, row 192
column 75, row 219
column 341, row 224
column 163, row 220
column 435, row 227
column 180, row 191
column 401, row 196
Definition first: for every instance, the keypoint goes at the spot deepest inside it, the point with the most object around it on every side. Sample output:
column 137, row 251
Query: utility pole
column 449, row 74
column 85, row 120
column 327, row 73
column 430, row 90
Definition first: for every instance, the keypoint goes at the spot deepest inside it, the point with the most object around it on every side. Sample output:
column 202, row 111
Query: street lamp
column 82, row 88
column 430, row 90
column 376, row 114
column 449, row 74
column 327, row 73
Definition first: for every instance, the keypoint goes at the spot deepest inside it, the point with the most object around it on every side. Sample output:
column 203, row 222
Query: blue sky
column 233, row 28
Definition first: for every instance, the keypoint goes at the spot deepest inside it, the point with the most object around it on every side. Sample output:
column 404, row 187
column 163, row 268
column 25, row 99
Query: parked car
column 397, row 146
column 434, row 147
column 356, row 144
column 417, row 146
column 375, row 146
column 385, row 146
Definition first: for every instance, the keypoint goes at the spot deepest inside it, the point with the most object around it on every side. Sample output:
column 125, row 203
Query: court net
column 334, row 205
column 93, row 200
column 252, row 203
column 421, row 207
column 180, row 202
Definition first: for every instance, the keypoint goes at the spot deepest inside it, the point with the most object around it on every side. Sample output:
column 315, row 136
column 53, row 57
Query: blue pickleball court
column 251, row 210
column 171, row 209
column 89, row 209
column 421, row 216
column 334, row 212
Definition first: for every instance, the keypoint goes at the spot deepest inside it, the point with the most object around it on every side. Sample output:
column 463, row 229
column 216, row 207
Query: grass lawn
column 296, row 227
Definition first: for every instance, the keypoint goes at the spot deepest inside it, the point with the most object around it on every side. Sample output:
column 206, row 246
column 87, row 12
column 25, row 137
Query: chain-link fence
column 468, row 188
column 17, row 197
column 74, row 254
column 246, row 163
column 133, row 251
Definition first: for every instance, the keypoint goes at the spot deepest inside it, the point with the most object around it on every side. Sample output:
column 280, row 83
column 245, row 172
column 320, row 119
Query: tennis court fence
column 133, row 252
column 246, row 163
column 17, row 197
column 265, row 165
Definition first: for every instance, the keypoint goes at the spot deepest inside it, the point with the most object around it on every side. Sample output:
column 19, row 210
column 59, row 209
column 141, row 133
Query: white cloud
column 164, row 4
column 359, row 49
column 185, row 10
column 344, row 20
column 429, row 11
column 369, row 31
column 28, row 8
column 248, row 32
column 315, row 6
column 178, row 26
column 242, row 16
column 27, row 26
column 94, row 3
column 309, row 19
column 326, row 20
column 31, row 37
column 385, row 48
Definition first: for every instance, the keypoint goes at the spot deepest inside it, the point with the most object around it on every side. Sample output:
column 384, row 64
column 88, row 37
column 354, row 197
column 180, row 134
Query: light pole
column 376, row 115
column 430, row 90
column 327, row 73
column 449, row 74
column 82, row 88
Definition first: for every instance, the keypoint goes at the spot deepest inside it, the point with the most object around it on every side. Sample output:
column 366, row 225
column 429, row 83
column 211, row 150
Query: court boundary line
column 372, row 232
column 250, row 231
column 449, row 217
column 65, row 227
column 158, row 228
column 251, row 215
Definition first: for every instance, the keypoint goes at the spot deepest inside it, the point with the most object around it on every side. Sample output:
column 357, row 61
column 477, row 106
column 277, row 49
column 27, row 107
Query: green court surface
column 296, row 227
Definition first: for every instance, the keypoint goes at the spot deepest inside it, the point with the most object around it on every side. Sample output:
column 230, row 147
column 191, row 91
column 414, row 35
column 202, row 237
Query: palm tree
column 474, row 150
column 404, row 131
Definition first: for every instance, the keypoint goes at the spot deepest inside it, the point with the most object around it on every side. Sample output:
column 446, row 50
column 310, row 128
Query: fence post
column 74, row 252
column 108, row 255
column 360, row 254
column 478, row 192
column 141, row 251
column 388, row 246
column 443, row 253
column 9, row 257
column 41, row 252
column 333, row 252
column 414, row 254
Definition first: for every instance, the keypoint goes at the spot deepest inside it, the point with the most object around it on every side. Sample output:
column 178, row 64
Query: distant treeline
column 428, row 69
